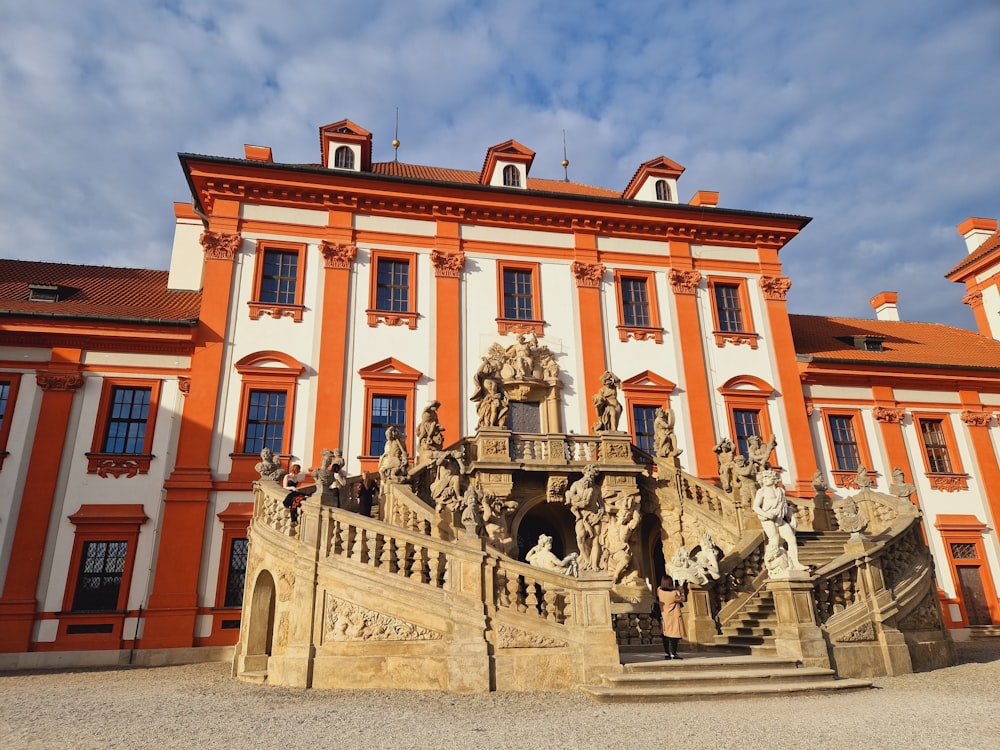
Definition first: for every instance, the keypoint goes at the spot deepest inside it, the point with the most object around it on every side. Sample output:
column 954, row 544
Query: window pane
column 662, row 190
column 392, row 286
column 265, row 421
column 387, row 411
column 511, row 176
column 279, row 277
column 845, row 446
column 935, row 446
column 643, row 418
column 517, row 294
column 635, row 302
column 236, row 575
column 747, row 423
column 343, row 158
column 128, row 413
column 4, row 395
column 100, row 578
column 727, row 304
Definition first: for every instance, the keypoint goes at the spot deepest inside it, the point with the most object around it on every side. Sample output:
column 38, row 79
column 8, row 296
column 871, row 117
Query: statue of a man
column 609, row 408
column 492, row 404
column 542, row 556
column 726, row 452
column 777, row 518
column 664, row 437
column 584, row 500
column 430, row 433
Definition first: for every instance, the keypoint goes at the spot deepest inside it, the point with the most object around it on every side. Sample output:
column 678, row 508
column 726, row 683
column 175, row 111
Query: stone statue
column 778, row 520
column 726, row 452
column 430, row 433
column 664, row 437
column 541, row 556
column 584, row 500
column 851, row 520
column 760, row 452
column 700, row 569
column 617, row 535
column 900, row 487
column 609, row 408
column 708, row 557
column 745, row 479
column 268, row 467
column 472, row 518
column 490, row 397
column 862, row 479
column 522, row 356
column 446, row 487
column 393, row 464
column 819, row 484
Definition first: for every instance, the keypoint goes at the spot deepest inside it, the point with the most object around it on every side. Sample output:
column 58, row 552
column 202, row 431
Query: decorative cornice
column 588, row 274
column 338, row 254
column 448, row 265
column 888, row 414
column 684, row 282
column 220, row 246
column 775, row 288
column 977, row 418
column 49, row 380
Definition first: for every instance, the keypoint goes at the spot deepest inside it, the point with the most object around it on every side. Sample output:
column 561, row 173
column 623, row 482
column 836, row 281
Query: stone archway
column 554, row 519
column 653, row 563
column 260, row 629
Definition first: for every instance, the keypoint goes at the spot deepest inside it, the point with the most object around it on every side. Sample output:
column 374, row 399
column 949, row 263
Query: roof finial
column 565, row 161
column 395, row 140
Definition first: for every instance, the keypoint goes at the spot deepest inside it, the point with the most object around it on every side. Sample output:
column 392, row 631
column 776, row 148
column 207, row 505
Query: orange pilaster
column 684, row 284
column 977, row 422
column 890, row 419
column 338, row 258
column 173, row 603
column 588, row 273
column 800, row 447
column 59, row 382
column 448, row 260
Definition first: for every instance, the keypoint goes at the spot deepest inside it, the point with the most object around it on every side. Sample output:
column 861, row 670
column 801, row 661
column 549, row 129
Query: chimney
column 976, row 231
column 884, row 304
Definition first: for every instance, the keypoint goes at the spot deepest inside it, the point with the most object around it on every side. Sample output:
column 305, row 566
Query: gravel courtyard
column 200, row 706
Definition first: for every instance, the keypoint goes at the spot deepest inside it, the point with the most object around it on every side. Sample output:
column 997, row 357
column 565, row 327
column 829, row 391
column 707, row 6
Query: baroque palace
column 564, row 391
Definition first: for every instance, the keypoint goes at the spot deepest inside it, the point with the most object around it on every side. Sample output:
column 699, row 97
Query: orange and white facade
column 329, row 301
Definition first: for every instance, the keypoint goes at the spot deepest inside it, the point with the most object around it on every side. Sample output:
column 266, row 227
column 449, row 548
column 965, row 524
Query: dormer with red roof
column 980, row 272
column 507, row 165
column 655, row 180
column 346, row 146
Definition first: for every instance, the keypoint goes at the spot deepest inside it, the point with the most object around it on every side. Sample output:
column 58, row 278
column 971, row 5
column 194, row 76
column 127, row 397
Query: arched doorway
column 553, row 519
column 260, row 630
column 652, row 543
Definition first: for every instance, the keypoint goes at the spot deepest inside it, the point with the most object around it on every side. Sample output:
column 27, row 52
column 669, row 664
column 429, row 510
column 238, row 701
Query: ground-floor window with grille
column 98, row 585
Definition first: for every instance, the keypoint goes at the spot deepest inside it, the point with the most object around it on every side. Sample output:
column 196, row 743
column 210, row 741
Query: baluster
column 419, row 568
column 401, row 567
column 514, row 594
column 388, row 559
column 549, row 604
column 373, row 549
column 531, row 602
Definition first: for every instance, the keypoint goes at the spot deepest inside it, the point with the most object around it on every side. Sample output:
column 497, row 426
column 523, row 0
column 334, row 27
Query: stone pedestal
column 797, row 634
column 700, row 623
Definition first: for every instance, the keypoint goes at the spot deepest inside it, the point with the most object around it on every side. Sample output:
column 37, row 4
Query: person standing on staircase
column 671, row 599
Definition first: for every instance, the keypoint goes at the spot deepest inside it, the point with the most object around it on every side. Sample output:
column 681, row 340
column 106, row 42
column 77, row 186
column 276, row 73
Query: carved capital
column 775, row 287
column 973, row 299
column 220, row 246
column 977, row 418
column 338, row 254
column 888, row 414
column 448, row 265
column 588, row 274
column 49, row 380
column 684, row 282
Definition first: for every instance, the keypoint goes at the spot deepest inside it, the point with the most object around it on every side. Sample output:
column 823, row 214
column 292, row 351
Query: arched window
column 511, row 176
column 343, row 158
column 662, row 190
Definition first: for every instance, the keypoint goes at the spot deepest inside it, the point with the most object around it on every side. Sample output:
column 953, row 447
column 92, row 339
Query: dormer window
column 866, row 342
column 511, row 176
column 343, row 158
column 49, row 292
column 662, row 190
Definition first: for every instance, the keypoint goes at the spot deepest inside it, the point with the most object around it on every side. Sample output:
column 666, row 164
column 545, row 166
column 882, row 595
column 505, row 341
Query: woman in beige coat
column 671, row 600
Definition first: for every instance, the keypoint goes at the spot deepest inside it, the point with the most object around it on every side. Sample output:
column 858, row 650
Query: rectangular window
column 128, row 414
column 635, row 302
column 4, row 395
column 845, row 444
column 279, row 278
column 746, row 423
column 935, row 446
column 236, row 573
column 517, row 294
column 387, row 411
column 99, row 581
column 392, row 285
column 265, row 425
column 642, row 422
column 728, row 308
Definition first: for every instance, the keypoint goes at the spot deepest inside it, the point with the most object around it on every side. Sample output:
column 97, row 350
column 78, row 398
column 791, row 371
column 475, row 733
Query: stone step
column 694, row 663
column 746, row 641
column 608, row 694
column 258, row 678
column 673, row 674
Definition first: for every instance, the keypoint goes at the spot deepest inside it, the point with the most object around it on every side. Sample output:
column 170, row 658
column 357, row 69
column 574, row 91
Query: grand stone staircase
column 712, row 678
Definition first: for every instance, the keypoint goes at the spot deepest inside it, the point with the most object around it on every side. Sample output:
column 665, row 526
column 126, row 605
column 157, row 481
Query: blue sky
column 880, row 120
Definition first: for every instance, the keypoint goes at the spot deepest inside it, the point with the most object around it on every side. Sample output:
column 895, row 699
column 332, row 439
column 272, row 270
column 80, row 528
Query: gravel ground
column 200, row 706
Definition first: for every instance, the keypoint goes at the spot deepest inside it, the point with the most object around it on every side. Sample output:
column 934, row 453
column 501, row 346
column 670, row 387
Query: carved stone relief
column 511, row 637
column 346, row 621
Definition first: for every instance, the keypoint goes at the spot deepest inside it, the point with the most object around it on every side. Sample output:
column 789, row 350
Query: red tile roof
column 905, row 343
column 127, row 294
column 467, row 177
column 992, row 243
